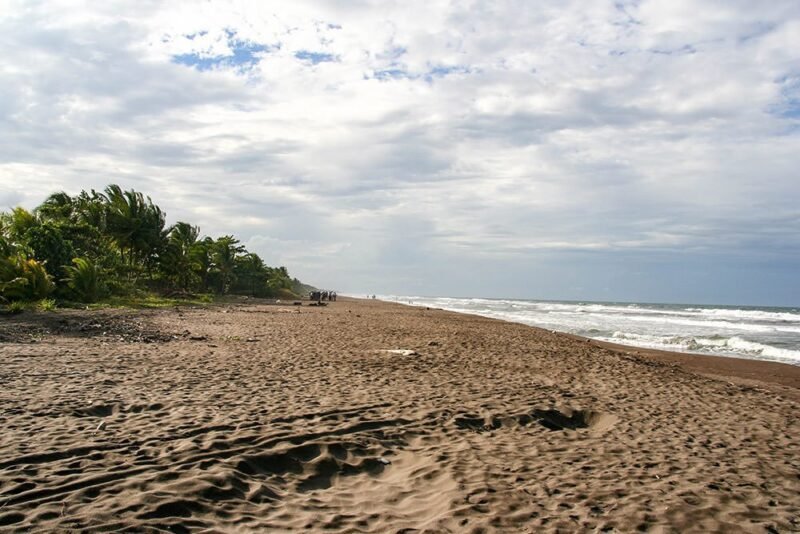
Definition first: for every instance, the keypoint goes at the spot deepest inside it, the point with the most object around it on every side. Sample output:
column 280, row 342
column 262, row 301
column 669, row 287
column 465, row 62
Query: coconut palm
column 180, row 260
column 15, row 223
column 135, row 223
column 57, row 207
column 224, row 253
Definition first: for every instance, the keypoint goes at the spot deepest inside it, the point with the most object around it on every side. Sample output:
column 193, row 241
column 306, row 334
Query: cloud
column 382, row 145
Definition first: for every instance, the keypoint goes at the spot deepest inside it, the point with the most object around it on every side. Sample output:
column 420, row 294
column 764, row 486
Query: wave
column 739, row 314
column 734, row 346
column 722, row 324
column 742, row 332
column 731, row 314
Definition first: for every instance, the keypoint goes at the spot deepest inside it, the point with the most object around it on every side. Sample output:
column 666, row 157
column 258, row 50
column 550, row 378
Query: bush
column 49, row 246
column 46, row 305
column 40, row 283
column 285, row 294
column 83, row 280
column 15, row 307
column 23, row 278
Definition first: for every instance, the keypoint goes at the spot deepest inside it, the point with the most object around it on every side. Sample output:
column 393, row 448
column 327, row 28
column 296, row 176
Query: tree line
column 94, row 245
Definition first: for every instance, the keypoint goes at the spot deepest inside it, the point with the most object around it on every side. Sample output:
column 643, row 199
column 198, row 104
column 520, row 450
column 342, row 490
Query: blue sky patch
column 440, row 71
column 315, row 57
column 391, row 74
column 392, row 53
column 788, row 109
column 245, row 54
column 397, row 72
column 789, row 106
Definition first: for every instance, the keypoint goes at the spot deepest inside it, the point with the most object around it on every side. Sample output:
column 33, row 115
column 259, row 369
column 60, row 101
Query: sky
column 631, row 150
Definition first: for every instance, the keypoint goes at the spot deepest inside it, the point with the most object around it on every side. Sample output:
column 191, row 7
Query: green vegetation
column 46, row 305
column 114, row 249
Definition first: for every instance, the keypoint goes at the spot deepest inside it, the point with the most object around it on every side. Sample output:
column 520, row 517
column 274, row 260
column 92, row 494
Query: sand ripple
column 371, row 417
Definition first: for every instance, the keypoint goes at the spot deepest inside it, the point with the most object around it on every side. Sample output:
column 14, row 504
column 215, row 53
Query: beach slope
column 364, row 416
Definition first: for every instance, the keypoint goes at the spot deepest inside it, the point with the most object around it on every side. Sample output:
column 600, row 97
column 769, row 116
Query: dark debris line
column 35, row 327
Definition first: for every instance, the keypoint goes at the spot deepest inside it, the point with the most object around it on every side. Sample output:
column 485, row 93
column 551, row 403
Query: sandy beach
column 364, row 416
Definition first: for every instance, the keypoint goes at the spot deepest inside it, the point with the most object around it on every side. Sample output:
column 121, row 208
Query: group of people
column 319, row 296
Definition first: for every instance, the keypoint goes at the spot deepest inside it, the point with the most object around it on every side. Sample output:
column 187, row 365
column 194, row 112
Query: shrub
column 285, row 294
column 40, row 283
column 83, row 280
column 49, row 246
column 24, row 278
column 16, row 307
column 46, row 305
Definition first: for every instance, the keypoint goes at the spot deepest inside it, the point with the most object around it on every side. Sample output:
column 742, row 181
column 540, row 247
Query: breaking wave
column 747, row 332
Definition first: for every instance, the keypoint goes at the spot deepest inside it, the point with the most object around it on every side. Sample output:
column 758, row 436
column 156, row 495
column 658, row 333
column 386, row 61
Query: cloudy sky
column 630, row 150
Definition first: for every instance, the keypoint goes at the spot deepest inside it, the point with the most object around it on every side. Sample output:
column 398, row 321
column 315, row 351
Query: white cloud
column 391, row 135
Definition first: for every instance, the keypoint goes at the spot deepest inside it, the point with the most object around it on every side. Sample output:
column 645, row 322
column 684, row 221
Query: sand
column 254, row 417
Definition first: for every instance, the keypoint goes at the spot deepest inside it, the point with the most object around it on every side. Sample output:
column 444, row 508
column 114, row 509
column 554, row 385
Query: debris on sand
column 401, row 352
column 108, row 326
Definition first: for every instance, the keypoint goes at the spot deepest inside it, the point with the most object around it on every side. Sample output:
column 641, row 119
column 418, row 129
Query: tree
column 96, row 242
column 279, row 281
column 251, row 274
column 202, row 255
column 15, row 224
column 57, row 207
column 223, row 257
column 48, row 245
column 180, row 260
column 136, row 224
column 92, row 209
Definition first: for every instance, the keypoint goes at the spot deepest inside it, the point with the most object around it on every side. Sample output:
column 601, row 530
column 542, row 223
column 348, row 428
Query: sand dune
column 255, row 417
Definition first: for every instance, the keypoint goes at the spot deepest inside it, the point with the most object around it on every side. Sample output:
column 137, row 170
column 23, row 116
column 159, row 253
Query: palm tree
column 180, row 260
column 16, row 223
column 223, row 256
column 124, row 218
column 91, row 208
column 58, row 206
column 136, row 224
column 202, row 255
column 251, row 271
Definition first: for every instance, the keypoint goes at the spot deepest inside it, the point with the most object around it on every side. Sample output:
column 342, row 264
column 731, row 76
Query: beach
column 368, row 416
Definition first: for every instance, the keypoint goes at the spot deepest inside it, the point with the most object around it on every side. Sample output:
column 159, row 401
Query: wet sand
column 365, row 416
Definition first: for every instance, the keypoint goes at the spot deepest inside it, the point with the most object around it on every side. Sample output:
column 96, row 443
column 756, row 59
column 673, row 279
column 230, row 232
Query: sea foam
column 745, row 332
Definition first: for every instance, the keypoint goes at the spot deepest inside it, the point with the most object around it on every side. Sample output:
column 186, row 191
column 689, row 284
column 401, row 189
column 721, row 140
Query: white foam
column 733, row 346
column 725, row 331
column 758, row 315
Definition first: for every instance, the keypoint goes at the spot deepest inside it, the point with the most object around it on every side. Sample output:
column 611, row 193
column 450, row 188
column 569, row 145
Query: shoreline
column 653, row 307
column 736, row 368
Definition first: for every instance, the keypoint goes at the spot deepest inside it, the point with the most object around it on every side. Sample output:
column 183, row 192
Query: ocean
column 759, row 333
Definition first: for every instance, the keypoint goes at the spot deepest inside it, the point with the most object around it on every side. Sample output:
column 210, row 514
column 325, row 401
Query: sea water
column 761, row 333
